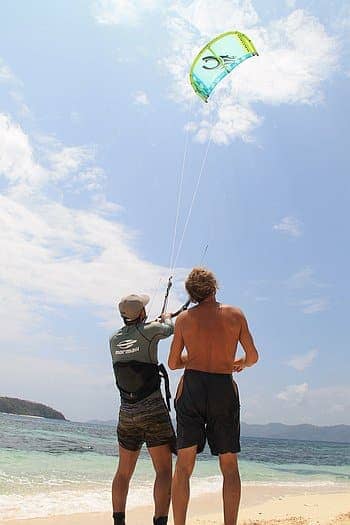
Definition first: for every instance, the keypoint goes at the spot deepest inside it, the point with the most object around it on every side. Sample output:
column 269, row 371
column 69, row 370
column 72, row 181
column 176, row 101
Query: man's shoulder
column 185, row 314
column 151, row 327
column 117, row 333
column 234, row 311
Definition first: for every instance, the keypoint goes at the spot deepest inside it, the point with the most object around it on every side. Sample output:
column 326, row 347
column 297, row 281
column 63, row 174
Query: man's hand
column 164, row 317
column 239, row 365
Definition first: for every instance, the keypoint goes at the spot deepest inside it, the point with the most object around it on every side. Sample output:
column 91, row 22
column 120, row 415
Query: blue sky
column 94, row 108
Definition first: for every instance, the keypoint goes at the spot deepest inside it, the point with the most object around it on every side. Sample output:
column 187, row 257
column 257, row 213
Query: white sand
column 260, row 506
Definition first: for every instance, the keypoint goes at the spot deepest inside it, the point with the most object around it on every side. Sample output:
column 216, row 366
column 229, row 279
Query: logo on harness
column 127, row 343
column 126, row 347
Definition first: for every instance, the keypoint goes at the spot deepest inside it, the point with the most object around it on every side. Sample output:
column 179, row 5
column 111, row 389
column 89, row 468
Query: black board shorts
column 146, row 421
column 207, row 408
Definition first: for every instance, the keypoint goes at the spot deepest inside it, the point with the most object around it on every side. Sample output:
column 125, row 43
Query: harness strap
column 164, row 374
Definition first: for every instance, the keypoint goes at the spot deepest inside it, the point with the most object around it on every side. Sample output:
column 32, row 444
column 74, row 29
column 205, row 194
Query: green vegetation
column 12, row 405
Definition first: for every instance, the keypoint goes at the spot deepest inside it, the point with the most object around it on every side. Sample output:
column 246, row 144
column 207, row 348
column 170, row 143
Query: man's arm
column 247, row 342
column 164, row 327
column 175, row 360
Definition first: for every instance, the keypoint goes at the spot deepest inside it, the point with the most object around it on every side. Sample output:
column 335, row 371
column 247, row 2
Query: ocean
column 50, row 467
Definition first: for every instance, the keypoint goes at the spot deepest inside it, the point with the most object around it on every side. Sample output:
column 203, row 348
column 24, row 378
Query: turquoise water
column 53, row 467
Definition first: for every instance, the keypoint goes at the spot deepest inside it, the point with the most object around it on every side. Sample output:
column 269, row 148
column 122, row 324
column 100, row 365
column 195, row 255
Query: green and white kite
column 217, row 59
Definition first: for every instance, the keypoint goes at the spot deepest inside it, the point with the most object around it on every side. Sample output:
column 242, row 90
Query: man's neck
column 209, row 300
column 134, row 323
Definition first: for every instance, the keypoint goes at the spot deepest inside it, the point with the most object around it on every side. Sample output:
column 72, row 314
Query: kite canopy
column 217, row 59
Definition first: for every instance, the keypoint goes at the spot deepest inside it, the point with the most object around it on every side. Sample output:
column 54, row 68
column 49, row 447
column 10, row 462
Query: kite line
column 214, row 62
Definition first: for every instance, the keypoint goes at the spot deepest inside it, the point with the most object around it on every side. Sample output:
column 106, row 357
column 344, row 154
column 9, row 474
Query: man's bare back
column 210, row 332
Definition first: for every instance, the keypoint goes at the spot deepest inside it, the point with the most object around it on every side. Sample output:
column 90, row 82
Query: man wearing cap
column 144, row 416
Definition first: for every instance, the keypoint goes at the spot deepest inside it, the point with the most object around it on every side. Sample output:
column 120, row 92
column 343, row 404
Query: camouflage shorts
column 146, row 421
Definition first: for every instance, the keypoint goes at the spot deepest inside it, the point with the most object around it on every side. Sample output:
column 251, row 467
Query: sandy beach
column 260, row 506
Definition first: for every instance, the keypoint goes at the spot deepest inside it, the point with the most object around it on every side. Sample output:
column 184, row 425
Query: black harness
column 136, row 380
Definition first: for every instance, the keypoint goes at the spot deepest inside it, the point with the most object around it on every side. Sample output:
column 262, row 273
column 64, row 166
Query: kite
column 213, row 63
column 217, row 59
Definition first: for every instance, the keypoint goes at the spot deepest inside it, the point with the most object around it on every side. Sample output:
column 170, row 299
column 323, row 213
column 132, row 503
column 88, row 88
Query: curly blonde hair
column 200, row 284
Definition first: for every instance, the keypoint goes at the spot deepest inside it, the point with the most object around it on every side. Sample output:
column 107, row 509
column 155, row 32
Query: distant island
column 305, row 432
column 20, row 407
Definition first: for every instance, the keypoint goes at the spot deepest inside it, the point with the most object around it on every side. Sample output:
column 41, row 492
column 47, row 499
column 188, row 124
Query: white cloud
column 69, row 159
column 210, row 18
column 56, row 254
column 341, row 22
column 19, row 165
column 232, row 120
column 105, row 206
column 296, row 404
column 332, row 399
column 289, row 226
column 92, row 179
column 69, row 256
column 6, row 74
column 19, row 318
column 305, row 280
column 141, row 98
column 302, row 361
column 313, row 306
column 51, row 256
column 23, row 109
column 294, row 394
column 305, row 277
column 115, row 12
column 14, row 86
column 70, row 381
column 17, row 162
column 304, row 404
column 75, row 165
column 296, row 57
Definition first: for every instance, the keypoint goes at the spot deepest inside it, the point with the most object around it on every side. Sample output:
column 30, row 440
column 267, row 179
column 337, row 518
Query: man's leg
column 186, row 458
column 231, row 490
column 120, row 485
column 162, row 462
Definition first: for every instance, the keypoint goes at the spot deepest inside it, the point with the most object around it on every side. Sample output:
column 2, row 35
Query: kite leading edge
column 217, row 59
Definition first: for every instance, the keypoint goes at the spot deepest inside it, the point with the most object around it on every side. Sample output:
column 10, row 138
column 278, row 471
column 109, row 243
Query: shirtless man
column 207, row 401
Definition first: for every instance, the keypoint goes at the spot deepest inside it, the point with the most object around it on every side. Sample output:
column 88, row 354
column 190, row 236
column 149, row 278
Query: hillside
column 12, row 405
column 336, row 433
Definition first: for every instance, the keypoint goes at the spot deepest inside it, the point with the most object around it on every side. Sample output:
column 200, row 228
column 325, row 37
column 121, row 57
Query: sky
column 95, row 114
